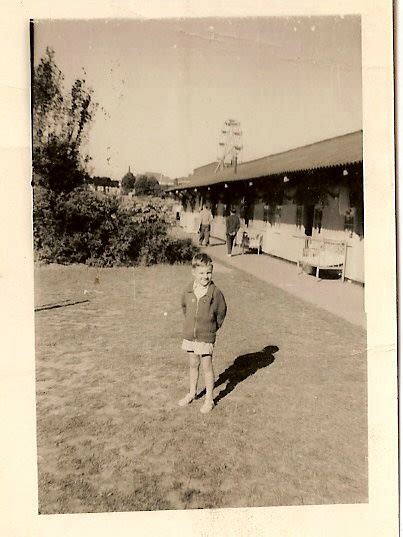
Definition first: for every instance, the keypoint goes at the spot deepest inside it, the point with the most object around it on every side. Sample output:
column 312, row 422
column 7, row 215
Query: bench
column 324, row 254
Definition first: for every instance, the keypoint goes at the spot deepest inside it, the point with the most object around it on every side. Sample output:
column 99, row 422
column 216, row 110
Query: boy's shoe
column 207, row 407
column 186, row 400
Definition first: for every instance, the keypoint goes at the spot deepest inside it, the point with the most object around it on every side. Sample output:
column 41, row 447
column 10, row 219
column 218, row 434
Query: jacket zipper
column 197, row 309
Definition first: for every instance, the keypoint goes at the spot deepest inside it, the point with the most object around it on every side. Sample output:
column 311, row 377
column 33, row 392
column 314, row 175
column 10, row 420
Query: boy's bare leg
column 207, row 364
column 194, row 363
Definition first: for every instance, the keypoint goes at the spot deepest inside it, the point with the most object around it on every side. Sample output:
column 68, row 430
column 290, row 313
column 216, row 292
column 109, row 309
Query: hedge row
column 80, row 227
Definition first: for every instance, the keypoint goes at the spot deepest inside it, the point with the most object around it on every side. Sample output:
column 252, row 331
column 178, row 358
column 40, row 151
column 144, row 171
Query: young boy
column 204, row 308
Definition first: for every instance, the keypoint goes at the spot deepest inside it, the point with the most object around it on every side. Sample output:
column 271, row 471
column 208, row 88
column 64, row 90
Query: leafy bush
column 147, row 186
column 80, row 227
column 182, row 249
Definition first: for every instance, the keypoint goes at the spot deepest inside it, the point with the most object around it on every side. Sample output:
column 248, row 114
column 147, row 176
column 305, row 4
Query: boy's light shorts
column 198, row 347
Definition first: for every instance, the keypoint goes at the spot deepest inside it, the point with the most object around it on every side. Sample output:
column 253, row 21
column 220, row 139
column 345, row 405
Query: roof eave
column 215, row 181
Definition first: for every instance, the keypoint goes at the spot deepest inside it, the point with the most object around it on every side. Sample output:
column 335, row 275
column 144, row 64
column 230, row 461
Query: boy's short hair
column 202, row 260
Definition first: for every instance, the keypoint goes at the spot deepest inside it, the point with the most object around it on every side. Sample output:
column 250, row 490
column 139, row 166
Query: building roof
column 345, row 149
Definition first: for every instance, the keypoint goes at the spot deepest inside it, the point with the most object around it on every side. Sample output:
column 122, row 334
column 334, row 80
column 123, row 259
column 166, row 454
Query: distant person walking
column 205, row 225
column 232, row 224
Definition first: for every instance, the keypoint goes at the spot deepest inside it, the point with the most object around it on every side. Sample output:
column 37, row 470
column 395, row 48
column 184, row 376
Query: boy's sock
column 207, row 406
column 186, row 400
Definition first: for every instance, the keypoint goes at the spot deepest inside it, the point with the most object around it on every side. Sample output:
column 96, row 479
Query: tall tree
column 147, row 186
column 60, row 125
column 102, row 182
column 128, row 182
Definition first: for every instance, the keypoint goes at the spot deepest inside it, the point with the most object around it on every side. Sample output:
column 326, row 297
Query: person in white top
column 205, row 225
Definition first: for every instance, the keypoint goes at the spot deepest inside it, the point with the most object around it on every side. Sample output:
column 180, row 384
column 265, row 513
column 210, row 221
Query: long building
column 311, row 191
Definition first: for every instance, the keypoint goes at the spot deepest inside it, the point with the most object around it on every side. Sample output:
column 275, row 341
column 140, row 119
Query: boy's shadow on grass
column 243, row 367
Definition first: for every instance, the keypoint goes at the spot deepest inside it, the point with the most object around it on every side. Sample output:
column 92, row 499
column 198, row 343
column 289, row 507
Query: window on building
column 317, row 219
column 299, row 217
column 248, row 211
column 277, row 216
column 258, row 211
column 213, row 205
column 266, row 209
column 268, row 213
column 272, row 214
column 349, row 223
column 359, row 221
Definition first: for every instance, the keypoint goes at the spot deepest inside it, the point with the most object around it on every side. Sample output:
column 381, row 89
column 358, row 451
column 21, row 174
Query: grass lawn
column 289, row 428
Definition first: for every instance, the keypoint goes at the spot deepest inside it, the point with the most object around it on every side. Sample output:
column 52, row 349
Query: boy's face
column 203, row 274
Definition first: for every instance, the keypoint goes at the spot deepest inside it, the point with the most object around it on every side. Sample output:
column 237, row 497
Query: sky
column 165, row 87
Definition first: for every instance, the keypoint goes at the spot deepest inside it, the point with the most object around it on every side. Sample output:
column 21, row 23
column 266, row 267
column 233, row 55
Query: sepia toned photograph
column 198, row 232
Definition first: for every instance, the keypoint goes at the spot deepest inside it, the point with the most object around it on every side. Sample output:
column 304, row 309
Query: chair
column 256, row 242
column 324, row 254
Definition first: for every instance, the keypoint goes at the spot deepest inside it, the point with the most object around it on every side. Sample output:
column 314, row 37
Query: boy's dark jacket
column 203, row 318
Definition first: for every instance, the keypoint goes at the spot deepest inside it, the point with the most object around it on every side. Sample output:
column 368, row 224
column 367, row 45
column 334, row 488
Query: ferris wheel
column 230, row 144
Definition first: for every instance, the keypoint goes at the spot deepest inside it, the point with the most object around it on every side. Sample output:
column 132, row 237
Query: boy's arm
column 221, row 309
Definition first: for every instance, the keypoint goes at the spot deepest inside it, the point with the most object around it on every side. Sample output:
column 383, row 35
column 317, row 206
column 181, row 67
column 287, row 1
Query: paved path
column 345, row 300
